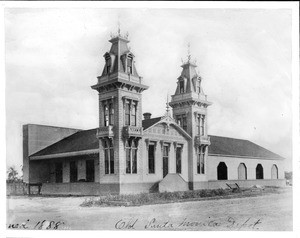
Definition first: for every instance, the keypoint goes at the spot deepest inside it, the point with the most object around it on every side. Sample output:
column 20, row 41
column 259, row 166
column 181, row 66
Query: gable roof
column 79, row 141
column 150, row 122
column 220, row 146
column 238, row 148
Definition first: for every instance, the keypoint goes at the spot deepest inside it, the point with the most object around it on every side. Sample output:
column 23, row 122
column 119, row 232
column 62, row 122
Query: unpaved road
column 267, row 212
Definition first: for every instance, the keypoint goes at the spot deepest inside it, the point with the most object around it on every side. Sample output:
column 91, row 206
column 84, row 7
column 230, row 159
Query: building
column 132, row 154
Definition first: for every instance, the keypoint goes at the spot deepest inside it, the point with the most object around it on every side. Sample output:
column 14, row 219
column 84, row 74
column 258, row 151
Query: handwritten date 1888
column 40, row 225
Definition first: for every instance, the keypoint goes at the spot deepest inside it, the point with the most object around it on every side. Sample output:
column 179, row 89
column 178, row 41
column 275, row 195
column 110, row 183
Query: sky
column 244, row 56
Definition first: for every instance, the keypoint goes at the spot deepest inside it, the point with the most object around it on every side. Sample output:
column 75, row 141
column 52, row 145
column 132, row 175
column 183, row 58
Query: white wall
column 233, row 163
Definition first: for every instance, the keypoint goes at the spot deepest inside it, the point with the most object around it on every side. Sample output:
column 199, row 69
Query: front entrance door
column 165, row 166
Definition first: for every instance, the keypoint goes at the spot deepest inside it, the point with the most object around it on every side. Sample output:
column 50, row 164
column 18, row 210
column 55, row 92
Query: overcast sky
column 53, row 56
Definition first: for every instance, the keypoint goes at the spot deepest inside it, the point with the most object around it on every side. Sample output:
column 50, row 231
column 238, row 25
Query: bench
column 233, row 186
column 39, row 185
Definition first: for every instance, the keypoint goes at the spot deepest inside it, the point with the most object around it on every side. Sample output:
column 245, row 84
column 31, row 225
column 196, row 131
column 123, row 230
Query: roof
column 221, row 146
column 149, row 122
column 240, row 148
column 79, row 141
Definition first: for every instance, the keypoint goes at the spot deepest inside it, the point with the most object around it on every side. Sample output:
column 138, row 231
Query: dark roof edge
column 248, row 157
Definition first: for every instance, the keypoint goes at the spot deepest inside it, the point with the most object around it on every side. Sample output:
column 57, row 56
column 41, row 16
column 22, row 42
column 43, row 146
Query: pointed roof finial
column 168, row 107
column 119, row 28
column 189, row 52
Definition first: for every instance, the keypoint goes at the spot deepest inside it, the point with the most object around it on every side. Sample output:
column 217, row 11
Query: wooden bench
column 39, row 185
column 233, row 186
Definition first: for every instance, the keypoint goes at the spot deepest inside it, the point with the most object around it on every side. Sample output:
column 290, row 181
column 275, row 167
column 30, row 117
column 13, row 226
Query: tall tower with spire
column 120, row 114
column 189, row 105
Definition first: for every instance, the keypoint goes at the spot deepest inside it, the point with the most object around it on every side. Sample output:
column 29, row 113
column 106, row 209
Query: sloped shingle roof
column 79, row 141
column 237, row 147
column 87, row 140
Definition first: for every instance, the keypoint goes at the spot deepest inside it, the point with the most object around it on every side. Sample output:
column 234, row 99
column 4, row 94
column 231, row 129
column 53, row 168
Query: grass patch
column 155, row 198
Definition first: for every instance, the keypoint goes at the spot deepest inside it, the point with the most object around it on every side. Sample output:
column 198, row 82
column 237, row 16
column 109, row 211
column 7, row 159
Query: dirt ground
column 269, row 212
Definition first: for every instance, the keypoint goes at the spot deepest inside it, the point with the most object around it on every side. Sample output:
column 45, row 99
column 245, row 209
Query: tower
column 189, row 105
column 120, row 115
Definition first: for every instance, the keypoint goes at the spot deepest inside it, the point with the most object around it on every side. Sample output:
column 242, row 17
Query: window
column 129, row 65
column 165, row 160
column 181, row 86
column 111, row 114
column 274, row 172
column 127, row 114
column 222, row 171
column 184, row 123
column 259, row 172
column 58, row 172
column 108, row 65
column 73, row 171
column 106, row 119
column 179, row 121
column 108, row 156
column 200, row 160
column 242, row 172
column 133, row 115
column 178, row 160
column 198, row 125
column 131, row 156
column 90, row 170
column 199, row 86
column 202, row 128
column 151, row 159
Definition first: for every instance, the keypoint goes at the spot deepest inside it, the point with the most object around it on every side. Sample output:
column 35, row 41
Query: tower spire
column 189, row 52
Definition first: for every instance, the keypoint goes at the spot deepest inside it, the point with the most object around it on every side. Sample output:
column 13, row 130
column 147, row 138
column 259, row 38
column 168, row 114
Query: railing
column 202, row 140
column 133, row 131
column 105, row 131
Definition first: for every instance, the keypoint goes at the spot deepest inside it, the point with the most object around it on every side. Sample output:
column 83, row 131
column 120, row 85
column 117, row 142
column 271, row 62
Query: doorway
column 222, row 171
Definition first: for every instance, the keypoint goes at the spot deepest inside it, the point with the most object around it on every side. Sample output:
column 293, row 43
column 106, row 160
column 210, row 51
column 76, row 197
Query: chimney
column 147, row 115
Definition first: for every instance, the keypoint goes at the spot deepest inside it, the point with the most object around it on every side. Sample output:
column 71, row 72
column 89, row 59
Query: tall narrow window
column 129, row 65
column 198, row 125
column 128, row 157
column 165, row 160
column 179, row 120
column 181, row 86
column 90, row 170
column 111, row 114
column 111, row 157
column 178, row 160
column 200, row 160
column 106, row 119
column 108, row 156
column 184, row 123
column 151, row 159
column 202, row 132
column 58, row 172
column 108, row 65
column 131, row 156
column 127, row 113
column 133, row 115
column 199, row 86
column 134, row 157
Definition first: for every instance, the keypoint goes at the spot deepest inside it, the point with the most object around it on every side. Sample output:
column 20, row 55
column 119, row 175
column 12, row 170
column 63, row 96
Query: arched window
column 129, row 65
column 181, row 86
column 259, row 172
column 222, row 171
column 242, row 172
column 274, row 172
